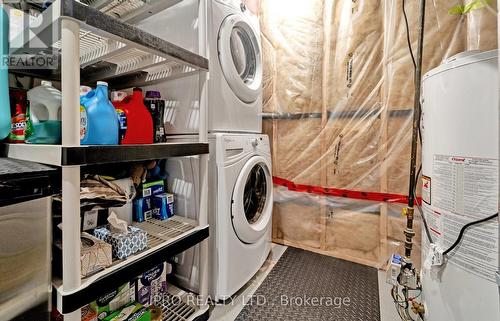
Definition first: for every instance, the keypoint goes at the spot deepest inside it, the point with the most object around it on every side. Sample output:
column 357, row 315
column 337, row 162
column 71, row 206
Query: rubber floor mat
column 313, row 287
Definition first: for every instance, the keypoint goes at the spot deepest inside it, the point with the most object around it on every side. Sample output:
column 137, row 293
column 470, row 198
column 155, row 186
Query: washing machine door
column 252, row 202
column 240, row 57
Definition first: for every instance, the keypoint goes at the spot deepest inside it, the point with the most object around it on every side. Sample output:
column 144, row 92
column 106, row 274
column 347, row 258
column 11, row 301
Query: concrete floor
column 229, row 311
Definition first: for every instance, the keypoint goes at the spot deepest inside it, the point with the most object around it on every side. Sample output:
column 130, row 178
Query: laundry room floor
column 251, row 302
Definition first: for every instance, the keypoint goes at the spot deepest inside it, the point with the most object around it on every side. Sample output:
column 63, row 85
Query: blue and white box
column 123, row 244
column 143, row 209
column 163, row 206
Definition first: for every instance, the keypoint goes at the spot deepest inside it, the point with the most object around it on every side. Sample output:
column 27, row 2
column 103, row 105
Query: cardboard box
column 143, row 209
column 106, row 304
column 132, row 312
column 95, row 254
column 152, row 188
column 163, row 206
column 152, row 284
column 124, row 244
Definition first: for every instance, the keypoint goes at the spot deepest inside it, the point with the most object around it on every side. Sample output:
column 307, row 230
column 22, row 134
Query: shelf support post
column 70, row 85
column 203, row 138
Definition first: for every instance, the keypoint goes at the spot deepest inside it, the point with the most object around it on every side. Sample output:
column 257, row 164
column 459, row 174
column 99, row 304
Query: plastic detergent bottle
column 156, row 107
column 44, row 116
column 84, row 90
column 139, row 121
column 98, row 121
column 116, row 98
column 4, row 77
column 18, row 125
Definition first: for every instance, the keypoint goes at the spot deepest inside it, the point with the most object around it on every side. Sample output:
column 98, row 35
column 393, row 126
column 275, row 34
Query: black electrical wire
column 408, row 36
column 466, row 226
column 410, row 49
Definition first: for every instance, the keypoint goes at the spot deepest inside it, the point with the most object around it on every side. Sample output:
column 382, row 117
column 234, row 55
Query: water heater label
column 465, row 189
column 426, row 189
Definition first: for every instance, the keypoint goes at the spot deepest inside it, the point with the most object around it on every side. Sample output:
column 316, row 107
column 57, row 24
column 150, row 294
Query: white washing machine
column 240, row 211
column 235, row 55
column 235, row 66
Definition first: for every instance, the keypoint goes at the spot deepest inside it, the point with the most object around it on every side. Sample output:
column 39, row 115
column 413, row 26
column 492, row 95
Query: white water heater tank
column 460, row 129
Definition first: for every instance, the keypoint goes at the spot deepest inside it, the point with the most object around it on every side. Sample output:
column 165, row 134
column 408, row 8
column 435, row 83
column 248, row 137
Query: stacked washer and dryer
column 240, row 178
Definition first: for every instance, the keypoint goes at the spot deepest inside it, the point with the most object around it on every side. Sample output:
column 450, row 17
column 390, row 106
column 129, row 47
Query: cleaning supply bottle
column 18, row 126
column 44, row 116
column 139, row 121
column 156, row 107
column 98, row 121
column 116, row 99
column 4, row 76
column 84, row 90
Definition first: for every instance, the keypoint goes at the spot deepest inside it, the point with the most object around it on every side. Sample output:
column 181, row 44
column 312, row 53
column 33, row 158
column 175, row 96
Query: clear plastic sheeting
column 338, row 108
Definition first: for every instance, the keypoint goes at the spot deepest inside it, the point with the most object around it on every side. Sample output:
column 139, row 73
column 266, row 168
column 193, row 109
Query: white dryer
column 240, row 211
column 235, row 64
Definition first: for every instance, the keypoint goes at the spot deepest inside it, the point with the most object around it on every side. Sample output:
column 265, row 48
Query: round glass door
column 252, row 200
column 240, row 58
column 255, row 194
column 243, row 54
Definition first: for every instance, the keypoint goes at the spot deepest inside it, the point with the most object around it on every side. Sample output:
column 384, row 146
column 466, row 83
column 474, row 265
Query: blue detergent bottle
column 98, row 119
column 5, row 116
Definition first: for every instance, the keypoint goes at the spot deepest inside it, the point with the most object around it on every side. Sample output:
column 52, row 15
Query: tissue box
column 132, row 312
column 163, row 206
column 88, row 314
column 152, row 284
column 106, row 304
column 95, row 254
column 124, row 244
column 143, row 209
column 152, row 188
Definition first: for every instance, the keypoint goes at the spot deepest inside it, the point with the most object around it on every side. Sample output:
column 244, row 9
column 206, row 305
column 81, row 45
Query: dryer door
column 252, row 203
column 240, row 57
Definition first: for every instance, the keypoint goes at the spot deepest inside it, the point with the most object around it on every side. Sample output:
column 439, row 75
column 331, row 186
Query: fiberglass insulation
column 338, row 102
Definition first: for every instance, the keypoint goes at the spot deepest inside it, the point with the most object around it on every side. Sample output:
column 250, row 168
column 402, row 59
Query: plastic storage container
column 139, row 121
column 44, row 115
column 98, row 120
column 4, row 77
column 25, row 235
column 156, row 107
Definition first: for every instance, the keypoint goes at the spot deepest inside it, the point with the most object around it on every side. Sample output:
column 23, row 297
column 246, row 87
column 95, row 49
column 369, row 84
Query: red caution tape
column 328, row 191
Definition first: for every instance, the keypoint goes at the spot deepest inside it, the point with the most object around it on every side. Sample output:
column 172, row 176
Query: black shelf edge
column 103, row 154
column 101, row 21
column 74, row 301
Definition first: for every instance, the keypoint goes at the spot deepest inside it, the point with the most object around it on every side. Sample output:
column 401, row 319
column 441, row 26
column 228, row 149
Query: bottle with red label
column 139, row 126
column 18, row 125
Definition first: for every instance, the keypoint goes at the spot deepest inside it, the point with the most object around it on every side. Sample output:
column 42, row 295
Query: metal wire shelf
column 111, row 48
